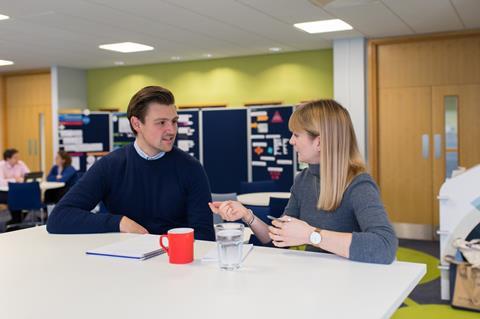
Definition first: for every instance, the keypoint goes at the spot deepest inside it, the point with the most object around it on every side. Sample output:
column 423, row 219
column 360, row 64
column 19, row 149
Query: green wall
column 288, row 77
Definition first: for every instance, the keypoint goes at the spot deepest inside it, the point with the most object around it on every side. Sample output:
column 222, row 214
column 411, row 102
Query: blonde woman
column 335, row 205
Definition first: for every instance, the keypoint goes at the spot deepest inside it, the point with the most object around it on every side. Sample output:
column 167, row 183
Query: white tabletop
column 43, row 186
column 50, row 276
column 260, row 199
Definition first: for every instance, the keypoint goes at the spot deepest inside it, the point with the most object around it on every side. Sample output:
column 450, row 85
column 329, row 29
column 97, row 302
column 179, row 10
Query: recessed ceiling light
column 176, row 58
column 126, row 47
column 4, row 17
column 323, row 26
column 207, row 55
column 119, row 63
column 274, row 49
column 5, row 62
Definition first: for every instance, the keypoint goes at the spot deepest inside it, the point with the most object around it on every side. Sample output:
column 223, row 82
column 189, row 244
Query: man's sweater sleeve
column 200, row 217
column 376, row 243
column 72, row 215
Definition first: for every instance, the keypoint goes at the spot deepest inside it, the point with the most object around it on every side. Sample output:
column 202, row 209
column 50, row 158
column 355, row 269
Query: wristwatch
column 315, row 237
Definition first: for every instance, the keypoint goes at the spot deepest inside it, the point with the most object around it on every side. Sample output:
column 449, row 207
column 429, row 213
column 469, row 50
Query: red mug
column 179, row 245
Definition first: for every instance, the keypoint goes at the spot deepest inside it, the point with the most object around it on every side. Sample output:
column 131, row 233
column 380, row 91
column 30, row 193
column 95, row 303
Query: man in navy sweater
column 149, row 186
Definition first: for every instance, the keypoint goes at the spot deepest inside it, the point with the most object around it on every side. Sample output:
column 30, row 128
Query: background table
column 260, row 199
column 50, row 276
column 43, row 186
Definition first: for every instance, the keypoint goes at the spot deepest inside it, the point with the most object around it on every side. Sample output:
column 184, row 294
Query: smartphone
column 273, row 218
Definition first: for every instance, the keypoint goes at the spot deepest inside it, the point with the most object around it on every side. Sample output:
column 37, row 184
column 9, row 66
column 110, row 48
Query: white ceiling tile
column 371, row 19
column 426, row 16
column 469, row 11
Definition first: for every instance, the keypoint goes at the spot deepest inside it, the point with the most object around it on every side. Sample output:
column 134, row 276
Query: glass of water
column 229, row 244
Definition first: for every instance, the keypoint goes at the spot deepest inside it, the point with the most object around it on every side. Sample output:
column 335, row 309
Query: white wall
column 69, row 91
column 349, row 83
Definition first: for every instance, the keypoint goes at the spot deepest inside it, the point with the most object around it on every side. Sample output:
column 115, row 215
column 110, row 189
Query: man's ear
column 135, row 121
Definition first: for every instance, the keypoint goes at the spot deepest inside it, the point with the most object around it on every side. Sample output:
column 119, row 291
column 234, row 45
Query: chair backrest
column 216, row 197
column 258, row 187
column 33, row 176
column 277, row 206
column 24, row 196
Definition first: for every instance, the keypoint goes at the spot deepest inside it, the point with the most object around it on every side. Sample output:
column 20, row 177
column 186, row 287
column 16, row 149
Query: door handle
column 437, row 145
column 425, row 145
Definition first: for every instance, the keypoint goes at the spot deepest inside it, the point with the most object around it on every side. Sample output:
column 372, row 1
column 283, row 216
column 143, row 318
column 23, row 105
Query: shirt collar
column 144, row 155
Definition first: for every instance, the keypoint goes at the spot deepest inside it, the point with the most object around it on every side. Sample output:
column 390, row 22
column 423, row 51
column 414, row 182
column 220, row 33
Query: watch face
column 315, row 238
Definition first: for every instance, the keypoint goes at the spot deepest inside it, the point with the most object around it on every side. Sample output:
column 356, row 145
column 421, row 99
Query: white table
column 50, row 276
column 43, row 186
column 260, row 199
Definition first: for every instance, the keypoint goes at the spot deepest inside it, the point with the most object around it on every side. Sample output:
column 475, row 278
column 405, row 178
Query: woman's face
column 307, row 147
column 59, row 160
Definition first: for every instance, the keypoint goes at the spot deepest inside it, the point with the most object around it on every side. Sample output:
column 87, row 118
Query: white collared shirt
column 144, row 155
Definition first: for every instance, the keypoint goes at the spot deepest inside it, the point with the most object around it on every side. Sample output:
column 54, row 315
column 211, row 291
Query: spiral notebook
column 140, row 247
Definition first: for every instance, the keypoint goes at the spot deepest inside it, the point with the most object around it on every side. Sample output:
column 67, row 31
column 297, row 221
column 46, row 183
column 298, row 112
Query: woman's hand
column 229, row 210
column 288, row 231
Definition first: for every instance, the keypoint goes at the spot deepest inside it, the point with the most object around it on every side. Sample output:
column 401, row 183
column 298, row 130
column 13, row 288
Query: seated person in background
column 149, row 186
column 335, row 205
column 62, row 171
column 12, row 169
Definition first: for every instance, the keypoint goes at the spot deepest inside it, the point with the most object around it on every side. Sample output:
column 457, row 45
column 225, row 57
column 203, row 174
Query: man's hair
column 9, row 152
column 139, row 103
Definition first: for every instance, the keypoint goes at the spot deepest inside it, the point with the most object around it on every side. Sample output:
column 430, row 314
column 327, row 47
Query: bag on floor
column 466, row 292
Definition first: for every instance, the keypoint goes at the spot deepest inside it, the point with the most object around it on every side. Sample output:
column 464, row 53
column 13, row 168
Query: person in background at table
column 12, row 170
column 62, row 171
column 335, row 205
column 148, row 186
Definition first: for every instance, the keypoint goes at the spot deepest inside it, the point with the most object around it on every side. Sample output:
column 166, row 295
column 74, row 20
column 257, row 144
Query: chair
column 258, row 187
column 25, row 197
column 216, row 197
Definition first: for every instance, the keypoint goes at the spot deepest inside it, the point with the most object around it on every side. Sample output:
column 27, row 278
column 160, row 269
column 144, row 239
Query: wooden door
column 456, row 109
column 405, row 158
column 27, row 96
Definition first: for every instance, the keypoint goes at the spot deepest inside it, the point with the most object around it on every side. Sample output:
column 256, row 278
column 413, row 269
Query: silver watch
column 315, row 237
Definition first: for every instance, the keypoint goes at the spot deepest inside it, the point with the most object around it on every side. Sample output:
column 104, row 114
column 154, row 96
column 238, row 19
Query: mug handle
column 161, row 242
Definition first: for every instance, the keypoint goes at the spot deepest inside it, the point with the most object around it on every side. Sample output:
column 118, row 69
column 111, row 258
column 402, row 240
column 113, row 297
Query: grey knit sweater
column 361, row 213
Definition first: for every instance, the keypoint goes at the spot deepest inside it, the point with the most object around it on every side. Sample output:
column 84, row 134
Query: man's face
column 159, row 128
column 14, row 159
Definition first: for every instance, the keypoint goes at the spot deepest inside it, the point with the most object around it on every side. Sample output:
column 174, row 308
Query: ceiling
column 67, row 33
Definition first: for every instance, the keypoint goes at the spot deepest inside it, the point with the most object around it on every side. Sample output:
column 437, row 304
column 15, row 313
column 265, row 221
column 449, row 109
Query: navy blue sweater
column 170, row 192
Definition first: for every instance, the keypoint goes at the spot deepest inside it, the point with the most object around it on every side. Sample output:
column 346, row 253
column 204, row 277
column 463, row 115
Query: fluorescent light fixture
column 4, row 17
column 323, row 26
column 176, row 58
column 126, row 47
column 119, row 63
column 207, row 55
column 5, row 62
column 275, row 49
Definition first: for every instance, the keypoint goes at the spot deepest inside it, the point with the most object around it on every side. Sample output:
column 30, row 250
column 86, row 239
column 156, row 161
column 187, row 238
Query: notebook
column 212, row 255
column 140, row 247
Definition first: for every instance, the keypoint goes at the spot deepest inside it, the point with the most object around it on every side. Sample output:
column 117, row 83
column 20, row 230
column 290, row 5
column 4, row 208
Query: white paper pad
column 140, row 247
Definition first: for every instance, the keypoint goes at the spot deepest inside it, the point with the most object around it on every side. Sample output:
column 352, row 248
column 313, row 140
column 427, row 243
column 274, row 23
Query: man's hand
column 129, row 226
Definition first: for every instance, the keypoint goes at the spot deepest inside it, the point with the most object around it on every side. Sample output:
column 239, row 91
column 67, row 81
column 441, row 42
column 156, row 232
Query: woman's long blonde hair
column 340, row 159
